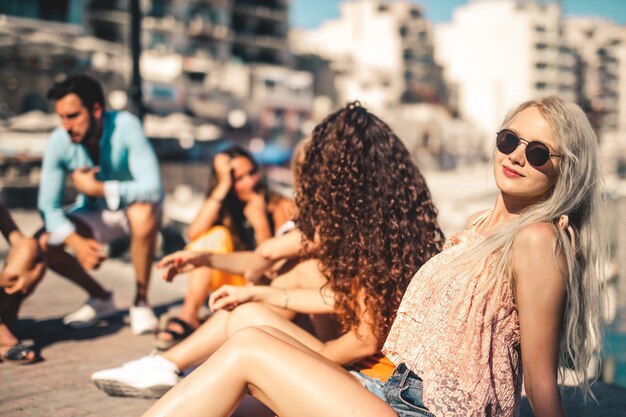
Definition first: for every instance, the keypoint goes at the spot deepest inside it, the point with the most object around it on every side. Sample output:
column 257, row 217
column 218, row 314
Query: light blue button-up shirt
column 128, row 168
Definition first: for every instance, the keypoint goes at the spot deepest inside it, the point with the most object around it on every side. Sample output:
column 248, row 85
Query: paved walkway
column 59, row 386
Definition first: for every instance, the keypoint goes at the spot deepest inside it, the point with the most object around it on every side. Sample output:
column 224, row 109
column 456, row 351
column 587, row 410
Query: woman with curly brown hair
column 366, row 216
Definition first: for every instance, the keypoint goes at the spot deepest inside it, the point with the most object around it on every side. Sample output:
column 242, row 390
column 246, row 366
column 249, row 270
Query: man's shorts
column 107, row 225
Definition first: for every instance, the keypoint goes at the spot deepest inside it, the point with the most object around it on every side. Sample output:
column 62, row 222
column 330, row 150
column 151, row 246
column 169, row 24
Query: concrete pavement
column 59, row 386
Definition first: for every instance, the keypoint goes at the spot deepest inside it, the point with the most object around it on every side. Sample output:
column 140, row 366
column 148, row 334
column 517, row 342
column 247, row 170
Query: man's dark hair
column 85, row 87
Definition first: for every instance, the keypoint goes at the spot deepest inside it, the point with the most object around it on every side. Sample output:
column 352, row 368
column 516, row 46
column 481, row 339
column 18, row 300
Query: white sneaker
column 89, row 313
column 148, row 377
column 142, row 320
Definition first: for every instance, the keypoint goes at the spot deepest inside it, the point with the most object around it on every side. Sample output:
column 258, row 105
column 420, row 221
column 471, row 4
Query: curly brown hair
column 366, row 206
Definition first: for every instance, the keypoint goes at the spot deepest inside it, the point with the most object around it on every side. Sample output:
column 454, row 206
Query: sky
column 309, row 14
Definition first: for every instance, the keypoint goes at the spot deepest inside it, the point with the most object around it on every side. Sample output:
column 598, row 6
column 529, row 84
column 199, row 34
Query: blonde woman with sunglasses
column 510, row 299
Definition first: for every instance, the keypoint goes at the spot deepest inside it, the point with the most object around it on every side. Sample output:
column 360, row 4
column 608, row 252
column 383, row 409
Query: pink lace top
column 479, row 376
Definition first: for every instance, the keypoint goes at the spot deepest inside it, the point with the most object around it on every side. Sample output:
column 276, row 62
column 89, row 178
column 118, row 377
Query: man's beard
column 91, row 130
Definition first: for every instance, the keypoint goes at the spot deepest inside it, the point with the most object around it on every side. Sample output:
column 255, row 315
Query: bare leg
column 201, row 343
column 144, row 219
column 214, row 332
column 9, row 306
column 209, row 337
column 292, row 381
column 258, row 315
column 197, row 291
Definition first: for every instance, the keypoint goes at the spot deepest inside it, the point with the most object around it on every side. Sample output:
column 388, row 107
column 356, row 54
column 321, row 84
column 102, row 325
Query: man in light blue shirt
column 116, row 173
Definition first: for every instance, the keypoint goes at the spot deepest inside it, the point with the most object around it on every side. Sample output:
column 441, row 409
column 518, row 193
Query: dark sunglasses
column 537, row 153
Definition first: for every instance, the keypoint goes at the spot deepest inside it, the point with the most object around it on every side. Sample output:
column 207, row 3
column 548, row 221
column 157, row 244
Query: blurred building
column 65, row 11
column 601, row 46
column 35, row 53
column 226, row 63
column 501, row 52
column 381, row 53
column 247, row 30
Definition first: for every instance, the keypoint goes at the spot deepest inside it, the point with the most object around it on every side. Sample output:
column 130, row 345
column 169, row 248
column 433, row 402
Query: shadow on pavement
column 45, row 333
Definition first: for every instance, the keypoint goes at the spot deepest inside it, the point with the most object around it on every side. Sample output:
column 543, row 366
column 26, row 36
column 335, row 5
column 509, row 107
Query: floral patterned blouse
column 468, row 369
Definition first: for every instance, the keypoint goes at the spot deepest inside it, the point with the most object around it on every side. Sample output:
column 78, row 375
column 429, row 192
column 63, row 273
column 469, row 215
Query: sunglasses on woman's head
column 537, row 153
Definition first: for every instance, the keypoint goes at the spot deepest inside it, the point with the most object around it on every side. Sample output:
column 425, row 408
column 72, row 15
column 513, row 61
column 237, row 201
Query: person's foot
column 91, row 312
column 175, row 330
column 12, row 351
column 142, row 319
column 148, row 377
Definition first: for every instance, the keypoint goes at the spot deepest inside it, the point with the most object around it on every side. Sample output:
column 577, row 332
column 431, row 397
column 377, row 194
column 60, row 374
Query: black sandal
column 162, row 344
column 19, row 354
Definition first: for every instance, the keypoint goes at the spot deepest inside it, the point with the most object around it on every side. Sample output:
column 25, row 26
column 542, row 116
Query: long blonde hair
column 577, row 194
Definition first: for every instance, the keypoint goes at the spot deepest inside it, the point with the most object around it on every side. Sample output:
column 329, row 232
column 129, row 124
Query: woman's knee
column 247, row 315
column 247, row 340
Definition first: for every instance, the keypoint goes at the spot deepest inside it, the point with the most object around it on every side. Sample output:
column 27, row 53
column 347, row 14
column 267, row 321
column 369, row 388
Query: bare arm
column 269, row 252
column 300, row 300
column 209, row 212
column 256, row 213
column 540, row 296
column 251, row 264
column 357, row 343
column 351, row 346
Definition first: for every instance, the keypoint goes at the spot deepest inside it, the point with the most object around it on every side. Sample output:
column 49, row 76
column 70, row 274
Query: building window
column 415, row 13
column 541, row 65
column 541, row 85
column 54, row 10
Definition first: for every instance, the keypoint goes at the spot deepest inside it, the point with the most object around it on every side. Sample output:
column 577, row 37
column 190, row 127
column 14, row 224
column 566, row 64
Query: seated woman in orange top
column 234, row 217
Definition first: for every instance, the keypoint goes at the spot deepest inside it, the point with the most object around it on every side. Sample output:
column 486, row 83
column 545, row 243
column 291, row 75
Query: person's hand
column 255, row 207
column 85, row 181
column 27, row 281
column 89, row 252
column 223, row 168
column 24, row 267
column 181, row 262
column 228, row 297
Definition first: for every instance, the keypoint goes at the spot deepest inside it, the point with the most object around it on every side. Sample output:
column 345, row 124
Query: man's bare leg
column 144, row 219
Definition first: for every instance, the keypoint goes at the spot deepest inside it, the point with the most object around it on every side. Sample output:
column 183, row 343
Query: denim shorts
column 403, row 392
column 373, row 385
